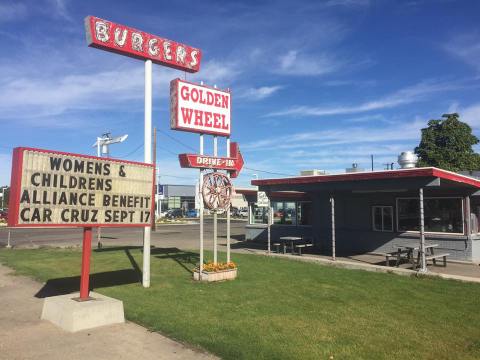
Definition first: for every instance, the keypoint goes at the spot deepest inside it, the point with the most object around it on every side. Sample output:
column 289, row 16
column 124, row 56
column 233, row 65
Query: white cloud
column 347, row 3
column 5, row 168
column 466, row 47
column 12, row 11
column 260, row 93
column 53, row 95
column 471, row 115
column 60, row 8
column 44, row 94
column 215, row 72
column 404, row 96
column 296, row 63
column 402, row 131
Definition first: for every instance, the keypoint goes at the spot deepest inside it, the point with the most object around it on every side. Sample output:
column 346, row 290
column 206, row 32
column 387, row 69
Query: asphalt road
column 182, row 236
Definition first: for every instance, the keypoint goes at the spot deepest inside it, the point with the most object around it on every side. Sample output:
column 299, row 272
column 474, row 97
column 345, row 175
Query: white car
column 243, row 212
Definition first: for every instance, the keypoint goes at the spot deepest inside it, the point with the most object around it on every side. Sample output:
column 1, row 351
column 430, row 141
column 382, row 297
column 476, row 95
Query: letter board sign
column 199, row 108
column 51, row 188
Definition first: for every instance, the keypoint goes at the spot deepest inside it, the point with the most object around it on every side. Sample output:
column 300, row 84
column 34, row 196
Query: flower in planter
column 221, row 266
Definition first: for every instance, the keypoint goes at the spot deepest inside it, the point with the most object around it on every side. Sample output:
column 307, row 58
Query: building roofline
column 372, row 175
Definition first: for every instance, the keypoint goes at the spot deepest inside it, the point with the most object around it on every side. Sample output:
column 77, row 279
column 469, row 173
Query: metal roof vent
column 407, row 160
column 354, row 168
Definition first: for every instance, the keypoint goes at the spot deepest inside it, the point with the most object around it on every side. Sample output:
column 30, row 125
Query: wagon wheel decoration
column 216, row 191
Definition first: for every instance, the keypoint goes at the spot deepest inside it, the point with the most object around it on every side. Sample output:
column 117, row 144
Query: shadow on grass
column 187, row 260
column 67, row 285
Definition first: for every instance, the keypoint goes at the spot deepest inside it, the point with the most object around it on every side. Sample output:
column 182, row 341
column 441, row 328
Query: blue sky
column 315, row 84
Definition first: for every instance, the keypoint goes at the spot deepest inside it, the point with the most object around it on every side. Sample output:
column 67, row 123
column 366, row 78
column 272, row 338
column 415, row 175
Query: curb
column 373, row 268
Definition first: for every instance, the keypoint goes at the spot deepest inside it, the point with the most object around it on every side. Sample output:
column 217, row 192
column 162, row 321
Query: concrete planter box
column 222, row 275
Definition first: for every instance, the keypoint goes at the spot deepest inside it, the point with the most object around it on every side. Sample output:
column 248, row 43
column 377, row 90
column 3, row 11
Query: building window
column 441, row 215
column 284, row 213
column 304, row 213
column 382, row 218
column 259, row 215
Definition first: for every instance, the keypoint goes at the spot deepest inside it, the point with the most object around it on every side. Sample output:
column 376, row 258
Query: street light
column 103, row 150
column 104, row 141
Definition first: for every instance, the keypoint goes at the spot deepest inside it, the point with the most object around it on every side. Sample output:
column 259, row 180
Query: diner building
column 372, row 211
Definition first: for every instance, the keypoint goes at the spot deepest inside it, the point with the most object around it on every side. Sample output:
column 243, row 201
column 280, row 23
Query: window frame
column 272, row 223
column 462, row 200
column 297, row 204
column 373, row 218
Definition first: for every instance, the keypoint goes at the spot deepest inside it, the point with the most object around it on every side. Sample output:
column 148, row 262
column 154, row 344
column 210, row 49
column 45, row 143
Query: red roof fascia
column 374, row 175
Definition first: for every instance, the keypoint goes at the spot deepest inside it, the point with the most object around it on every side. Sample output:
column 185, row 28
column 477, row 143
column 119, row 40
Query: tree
column 447, row 144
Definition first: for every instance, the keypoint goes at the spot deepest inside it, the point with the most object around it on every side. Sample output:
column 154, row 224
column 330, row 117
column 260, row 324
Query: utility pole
column 154, row 160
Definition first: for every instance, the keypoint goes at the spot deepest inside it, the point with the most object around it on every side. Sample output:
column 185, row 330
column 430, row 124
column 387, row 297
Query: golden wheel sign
column 216, row 191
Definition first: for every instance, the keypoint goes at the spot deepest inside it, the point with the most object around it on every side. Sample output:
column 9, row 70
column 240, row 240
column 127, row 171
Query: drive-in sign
column 199, row 108
column 232, row 164
column 51, row 188
column 127, row 41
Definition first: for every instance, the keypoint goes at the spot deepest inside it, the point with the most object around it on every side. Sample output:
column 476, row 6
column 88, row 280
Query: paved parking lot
column 182, row 236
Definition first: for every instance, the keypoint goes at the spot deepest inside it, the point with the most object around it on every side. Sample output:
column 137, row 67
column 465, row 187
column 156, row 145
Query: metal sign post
column 148, row 160
column 215, row 215
column 85, row 274
column 9, row 246
column 228, row 210
column 423, row 268
column 103, row 34
column 200, row 186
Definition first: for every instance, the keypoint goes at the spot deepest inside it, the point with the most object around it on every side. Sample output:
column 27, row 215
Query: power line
column 167, row 150
column 133, row 152
column 268, row 172
column 191, row 148
column 177, row 177
column 176, row 140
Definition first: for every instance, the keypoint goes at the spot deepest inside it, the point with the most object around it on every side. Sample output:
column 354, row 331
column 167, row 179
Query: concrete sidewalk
column 24, row 336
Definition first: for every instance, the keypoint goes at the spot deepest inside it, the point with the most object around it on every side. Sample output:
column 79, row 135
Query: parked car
column 174, row 213
column 192, row 213
column 234, row 211
column 243, row 212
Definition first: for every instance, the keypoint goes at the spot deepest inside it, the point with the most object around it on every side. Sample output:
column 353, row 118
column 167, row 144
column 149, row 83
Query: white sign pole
column 200, row 194
column 215, row 219
column 228, row 209
column 148, row 160
column 269, row 219
column 9, row 246
column 99, row 229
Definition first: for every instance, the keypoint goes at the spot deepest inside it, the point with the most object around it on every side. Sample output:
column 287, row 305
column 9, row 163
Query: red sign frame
column 124, row 40
column 16, row 184
column 175, row 123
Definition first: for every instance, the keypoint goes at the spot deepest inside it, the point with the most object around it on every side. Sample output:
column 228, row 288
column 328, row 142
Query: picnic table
column 406, row 250
column 290, row 239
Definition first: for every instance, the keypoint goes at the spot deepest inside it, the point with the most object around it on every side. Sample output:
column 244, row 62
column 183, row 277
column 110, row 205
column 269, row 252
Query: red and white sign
column 200, row 109
column 106, row 35
column 51, row 188
column 233, row 164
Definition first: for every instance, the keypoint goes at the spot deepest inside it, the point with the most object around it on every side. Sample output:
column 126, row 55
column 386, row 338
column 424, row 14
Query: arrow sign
column 232, row 164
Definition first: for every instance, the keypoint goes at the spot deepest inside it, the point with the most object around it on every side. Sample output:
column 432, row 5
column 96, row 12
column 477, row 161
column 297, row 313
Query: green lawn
column 278, row 309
